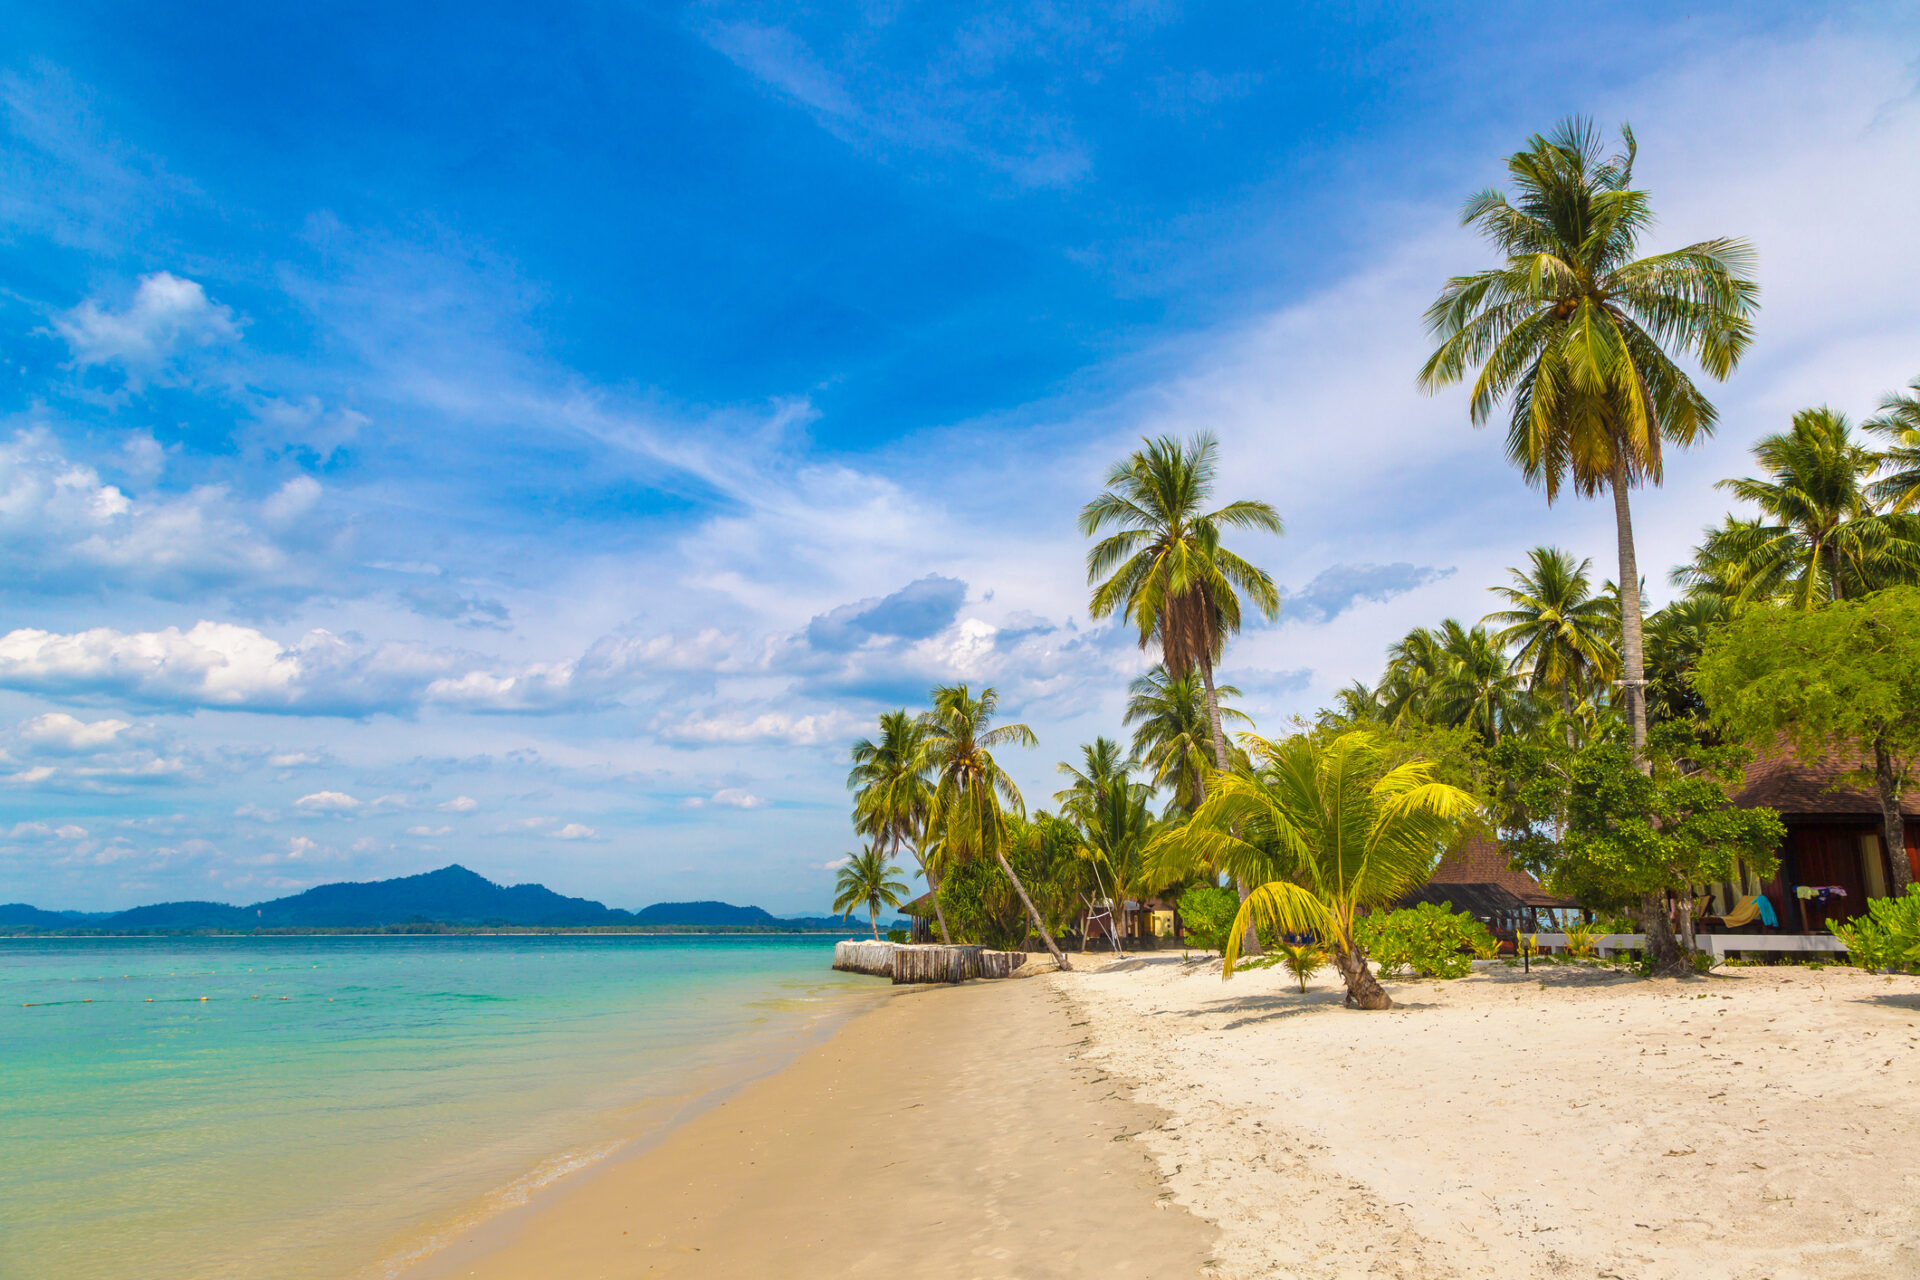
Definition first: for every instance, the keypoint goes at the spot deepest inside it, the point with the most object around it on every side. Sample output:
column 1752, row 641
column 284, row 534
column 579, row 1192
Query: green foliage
column 1208, row 915
column 1843, row 676
column 1627, row 834
column 1302, row 960
column 1887, row 937
column 868, row 881
column 896, row 935
column 1428, row 939
column 981, row 905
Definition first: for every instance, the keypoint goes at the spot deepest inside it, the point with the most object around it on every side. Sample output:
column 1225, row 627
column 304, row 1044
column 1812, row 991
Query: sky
column 544, row 437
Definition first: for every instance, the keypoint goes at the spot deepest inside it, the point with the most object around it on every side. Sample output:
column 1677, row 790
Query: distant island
column 450, row 899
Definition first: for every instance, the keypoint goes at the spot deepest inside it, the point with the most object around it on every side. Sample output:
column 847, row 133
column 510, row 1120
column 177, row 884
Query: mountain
column 704, row 913
column 452, row 895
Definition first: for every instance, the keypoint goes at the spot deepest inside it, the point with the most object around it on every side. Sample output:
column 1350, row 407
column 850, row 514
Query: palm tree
column 1818, row 537
column 1899, row 421
column 1357, row 704
column 1476, row 687
column 1575, row 333
column 1109, row 810
column 1415, row 663
column 1163, row 567
column 892, row 794
column 1172, row 730
column 1558, row 625
column 970, row 788
column 868, row 878
column 1328, row 832
column 1676, row 636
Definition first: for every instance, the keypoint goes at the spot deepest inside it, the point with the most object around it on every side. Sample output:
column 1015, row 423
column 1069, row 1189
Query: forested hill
column 452, row 895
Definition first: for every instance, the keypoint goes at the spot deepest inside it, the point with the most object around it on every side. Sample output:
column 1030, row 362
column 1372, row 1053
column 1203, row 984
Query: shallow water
column 295, row 1107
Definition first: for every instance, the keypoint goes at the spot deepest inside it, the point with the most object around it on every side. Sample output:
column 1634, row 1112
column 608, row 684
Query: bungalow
column 1833, row 858
column 1477, row 879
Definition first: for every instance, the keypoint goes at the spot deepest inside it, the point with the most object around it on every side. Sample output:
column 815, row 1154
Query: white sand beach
column 1761, row 1124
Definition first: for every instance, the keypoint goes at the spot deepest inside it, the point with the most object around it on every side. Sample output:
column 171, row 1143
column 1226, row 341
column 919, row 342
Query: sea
column 343, row 1106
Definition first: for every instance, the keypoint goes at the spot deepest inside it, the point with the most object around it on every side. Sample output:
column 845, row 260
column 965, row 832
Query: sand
column 1761, row 1123
column 948, row 1132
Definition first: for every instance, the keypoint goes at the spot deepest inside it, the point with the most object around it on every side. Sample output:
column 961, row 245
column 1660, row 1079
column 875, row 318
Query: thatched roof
column 1482, row 862
column 1779, row 779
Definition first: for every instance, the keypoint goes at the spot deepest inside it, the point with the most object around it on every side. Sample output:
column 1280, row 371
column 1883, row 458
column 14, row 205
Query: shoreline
column 960, row 1123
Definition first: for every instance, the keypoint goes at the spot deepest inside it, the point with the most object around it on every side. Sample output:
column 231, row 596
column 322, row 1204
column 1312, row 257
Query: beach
column 947, row 1131
column 1141, row 1118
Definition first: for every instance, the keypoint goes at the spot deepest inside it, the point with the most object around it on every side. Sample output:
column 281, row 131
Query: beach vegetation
column 1208, row 912
column 1173, row 732
column 868, row 880
column 1325, row 831
column 1887, row 937
column 1593, row 824
column 972, row 794
column 893, row 796
column 1427, row 939
column 1842, row 678
column 1301, row 959
column 1578, row 336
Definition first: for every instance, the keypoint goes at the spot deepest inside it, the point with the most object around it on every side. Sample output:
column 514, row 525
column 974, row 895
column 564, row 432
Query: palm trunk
column 1059, row 960
column 1893, row 826
column 1363, row 989
column 1633, row 666
column 873, row 920
column 1249, row 945
column 1663, row 949
column 939, row 912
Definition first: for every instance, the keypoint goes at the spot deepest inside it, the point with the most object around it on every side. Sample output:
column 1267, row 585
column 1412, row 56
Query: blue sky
column 543, row 439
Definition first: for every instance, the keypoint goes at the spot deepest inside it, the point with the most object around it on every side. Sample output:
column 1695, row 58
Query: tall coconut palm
column 1172, row 731
column 1559, row 628
column 1476, row 687
column 868, row 880
column 1328, row 832
column 1109, row 811
column 971, row 792
column 1898, row 422
column 1676, row 637
column 1818, row 537
column 892, row 795
column 1415, row 663
column 1163, row 568
column 1578, row 336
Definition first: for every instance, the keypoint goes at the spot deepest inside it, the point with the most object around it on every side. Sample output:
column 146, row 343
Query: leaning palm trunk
column 1633, row 668
column 1059, row 959
column 939, row 912
column 1363, row 989
column 1663, row 948
column 873, row 920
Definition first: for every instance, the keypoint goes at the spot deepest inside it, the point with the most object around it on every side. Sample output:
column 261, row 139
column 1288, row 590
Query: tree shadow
column 1893, row 1000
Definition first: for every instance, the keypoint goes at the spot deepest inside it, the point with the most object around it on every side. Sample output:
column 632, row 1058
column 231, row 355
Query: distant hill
column 452, row 895
column 704, row 913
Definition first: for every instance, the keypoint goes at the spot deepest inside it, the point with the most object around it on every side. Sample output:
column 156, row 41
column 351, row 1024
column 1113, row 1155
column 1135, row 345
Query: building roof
column 1483, row 901
column 1779, row 779
column 1480, row 861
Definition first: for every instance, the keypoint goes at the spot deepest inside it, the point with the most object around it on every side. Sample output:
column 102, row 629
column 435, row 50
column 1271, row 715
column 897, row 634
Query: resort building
column 1477, row 879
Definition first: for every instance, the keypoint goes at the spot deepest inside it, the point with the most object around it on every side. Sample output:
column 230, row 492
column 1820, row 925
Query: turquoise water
column 295, row 1107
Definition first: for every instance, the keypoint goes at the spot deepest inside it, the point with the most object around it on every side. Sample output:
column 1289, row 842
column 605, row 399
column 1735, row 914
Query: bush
column 896, row 935
column 1208, row 915
column 1888, row 936
column 1429, row 940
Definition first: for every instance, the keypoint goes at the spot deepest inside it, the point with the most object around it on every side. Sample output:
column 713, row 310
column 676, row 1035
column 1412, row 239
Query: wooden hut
column 1833, row 847
column 1476, row 878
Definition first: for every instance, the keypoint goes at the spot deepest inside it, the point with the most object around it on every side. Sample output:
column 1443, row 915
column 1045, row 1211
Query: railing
column 1715, row 944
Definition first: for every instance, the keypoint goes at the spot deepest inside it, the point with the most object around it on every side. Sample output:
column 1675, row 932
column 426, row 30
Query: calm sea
column 329, row 1107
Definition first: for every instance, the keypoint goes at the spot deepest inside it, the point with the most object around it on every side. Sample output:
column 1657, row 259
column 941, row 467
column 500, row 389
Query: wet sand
column 950, row 1131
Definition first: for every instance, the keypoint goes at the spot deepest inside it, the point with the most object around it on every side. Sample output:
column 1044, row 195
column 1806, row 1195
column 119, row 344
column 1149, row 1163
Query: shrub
column 1428, row 939
column 1888, row 936
column 896, row 935
column 1303, row 960
column 1208, row 915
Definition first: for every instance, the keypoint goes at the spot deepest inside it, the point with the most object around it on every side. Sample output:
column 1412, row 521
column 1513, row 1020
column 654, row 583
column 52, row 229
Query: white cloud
column 459, row 804
column 575, row 831
column 736, row 798
column 46, row 831
column 327, row 802
column 837, row 863
column 768, row 726
column 295, row 760
column 60, row 732
column 167, row 314
column 429, row 831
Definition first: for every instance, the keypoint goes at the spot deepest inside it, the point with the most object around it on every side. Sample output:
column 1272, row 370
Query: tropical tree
column 1578, row 337
column 892, row 795
column 1559, row 628
column 1676, row 637
column 1327, row 831
column 1476, row 685
column 1163, row 568
column 1819, row 537
column 1899, row 423
column 1172, row 731
column 972, row 794
column 868, row 880
column 1109, row 810
column 1415, row 663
